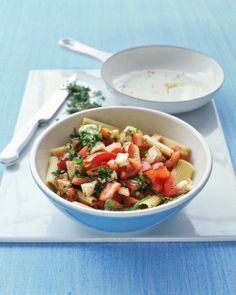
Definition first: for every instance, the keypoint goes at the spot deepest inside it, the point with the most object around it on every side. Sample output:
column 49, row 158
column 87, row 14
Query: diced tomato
column 113, row 165
column 183, row 154
column 131, row 170
column 119, row 198
column 105, row 132
column 158, row 177
column 136, row 165
column 159, row 174
column 79, row 181
column 133, row 150
column 71, row 194
column 157, row 186
column 83, row 152
column 157, row 165
column 115, row 147
column 152, row 175
column 139, row 141
column 59, row 155
column 95, row 160
column 170, row 189
column 110, row 190
column 107, row 136
column 74, row 142
column 98, row 204
column 129, row 148
column 162, row 173
column 62, row 165
column 129, row 201
column 114, row 204
column 171, row 163
column 133, row 186
column 146, row 165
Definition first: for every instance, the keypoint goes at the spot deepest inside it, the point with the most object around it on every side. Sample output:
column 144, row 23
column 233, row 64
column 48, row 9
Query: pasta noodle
column 51, row 180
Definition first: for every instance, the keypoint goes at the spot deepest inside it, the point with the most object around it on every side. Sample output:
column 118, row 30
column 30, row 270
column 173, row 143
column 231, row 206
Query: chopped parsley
column 104, row 173
column 78, row 174
column 80, row 98
column 138, row 179
column 104, row 176
column 58, row 172
column 130, row 132
column 99, row 187
column 72, row 153
column 78, row 160
column 89, row 139
column 142, row 184
column 109, row 205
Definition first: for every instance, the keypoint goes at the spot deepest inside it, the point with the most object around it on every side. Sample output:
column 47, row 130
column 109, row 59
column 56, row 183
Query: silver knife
column 11, row 153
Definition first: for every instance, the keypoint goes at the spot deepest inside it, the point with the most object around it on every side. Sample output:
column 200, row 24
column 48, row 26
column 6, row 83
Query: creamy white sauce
column 161, row 85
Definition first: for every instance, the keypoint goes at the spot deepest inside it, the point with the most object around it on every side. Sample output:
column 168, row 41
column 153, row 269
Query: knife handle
column 10, row 154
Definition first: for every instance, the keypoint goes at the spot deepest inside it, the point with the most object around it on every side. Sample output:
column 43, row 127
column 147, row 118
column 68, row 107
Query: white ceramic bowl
column 186, row 79
column 147, row 120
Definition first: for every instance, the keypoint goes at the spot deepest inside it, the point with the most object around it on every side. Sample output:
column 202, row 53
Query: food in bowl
column 149, row 121
column 110, row 169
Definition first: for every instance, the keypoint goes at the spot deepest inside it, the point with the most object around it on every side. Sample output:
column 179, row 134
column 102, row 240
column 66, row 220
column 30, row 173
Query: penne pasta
column 59, row 151
column 163, row 148
column 149, row 202
column 183, row 171
column 50, row 179
column 172, row 144
column 87, row 121
column 85, row 200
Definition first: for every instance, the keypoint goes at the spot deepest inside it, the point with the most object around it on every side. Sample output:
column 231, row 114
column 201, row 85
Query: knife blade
column 11, row 153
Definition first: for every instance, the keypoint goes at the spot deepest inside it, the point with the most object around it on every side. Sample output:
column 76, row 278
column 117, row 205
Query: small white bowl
column 185, row 79
column 145, row 119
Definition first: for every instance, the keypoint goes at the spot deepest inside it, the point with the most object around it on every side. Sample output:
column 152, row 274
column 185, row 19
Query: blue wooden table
column 29, row 30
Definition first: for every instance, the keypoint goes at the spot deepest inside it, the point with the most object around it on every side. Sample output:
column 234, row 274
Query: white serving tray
column 27, row 216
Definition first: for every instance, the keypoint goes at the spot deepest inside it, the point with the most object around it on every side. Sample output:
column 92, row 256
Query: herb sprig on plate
column 82, row 98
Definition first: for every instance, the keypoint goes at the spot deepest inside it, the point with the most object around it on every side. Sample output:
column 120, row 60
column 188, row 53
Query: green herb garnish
column 104, row 176
column 104, row 173
column 89, row 139
column 109, row 205
column 98, row 188
column 80, row 98
column 131, row 131
column 58, row 172
column 78, row 160
column 137, row 179
column 142, row 184
column 79, row 175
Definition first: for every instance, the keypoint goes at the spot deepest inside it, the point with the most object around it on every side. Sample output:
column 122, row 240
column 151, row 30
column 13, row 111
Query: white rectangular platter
column 27, row 216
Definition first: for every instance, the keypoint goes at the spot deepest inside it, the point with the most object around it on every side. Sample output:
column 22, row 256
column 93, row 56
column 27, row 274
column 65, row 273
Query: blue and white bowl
column 148, row 121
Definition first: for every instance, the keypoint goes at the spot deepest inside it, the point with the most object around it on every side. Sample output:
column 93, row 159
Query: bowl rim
column 167, row 102
column 121, row 214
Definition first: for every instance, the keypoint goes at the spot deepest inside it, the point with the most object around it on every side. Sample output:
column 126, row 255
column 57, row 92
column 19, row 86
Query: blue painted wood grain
column 29, row 30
